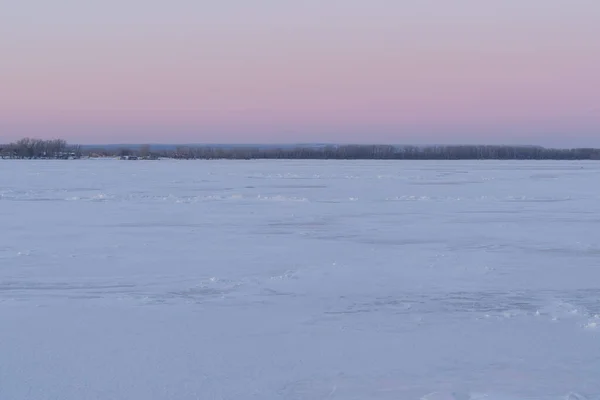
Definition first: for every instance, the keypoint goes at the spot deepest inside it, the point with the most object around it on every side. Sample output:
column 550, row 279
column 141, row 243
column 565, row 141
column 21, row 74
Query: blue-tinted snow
column 299, row 280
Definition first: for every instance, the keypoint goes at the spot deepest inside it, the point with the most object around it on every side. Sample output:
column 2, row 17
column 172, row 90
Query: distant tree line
column 58, row 148
column 388, row 152
column 361, row 152
column 28, row 148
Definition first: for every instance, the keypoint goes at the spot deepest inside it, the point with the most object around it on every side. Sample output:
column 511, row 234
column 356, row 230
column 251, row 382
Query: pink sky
column 428, row 71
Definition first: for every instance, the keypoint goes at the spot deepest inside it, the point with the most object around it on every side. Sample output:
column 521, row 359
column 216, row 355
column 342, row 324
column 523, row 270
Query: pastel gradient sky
column 250, row 71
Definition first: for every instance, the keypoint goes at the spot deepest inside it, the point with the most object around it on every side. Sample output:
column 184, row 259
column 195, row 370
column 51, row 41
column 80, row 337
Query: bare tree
column 145, row 151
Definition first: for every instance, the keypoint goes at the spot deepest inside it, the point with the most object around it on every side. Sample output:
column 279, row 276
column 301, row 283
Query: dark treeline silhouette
column 388, row 152
column 28, row 148
column 35, row 148
column 356, row 152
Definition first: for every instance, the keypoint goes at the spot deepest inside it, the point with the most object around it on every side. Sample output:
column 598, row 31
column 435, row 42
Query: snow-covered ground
column 183, row 280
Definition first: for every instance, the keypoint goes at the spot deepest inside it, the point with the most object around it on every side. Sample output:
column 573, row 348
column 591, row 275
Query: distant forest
column 59, row 149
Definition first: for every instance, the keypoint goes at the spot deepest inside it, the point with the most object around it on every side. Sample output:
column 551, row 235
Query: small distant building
column 68, row 155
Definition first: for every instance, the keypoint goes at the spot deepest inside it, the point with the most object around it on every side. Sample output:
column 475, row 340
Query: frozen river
column 299, row 280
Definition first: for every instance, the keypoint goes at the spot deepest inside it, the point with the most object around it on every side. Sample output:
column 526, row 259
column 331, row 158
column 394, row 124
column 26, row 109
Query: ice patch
column 282, row 198
column 532, row 199
column 409, row 198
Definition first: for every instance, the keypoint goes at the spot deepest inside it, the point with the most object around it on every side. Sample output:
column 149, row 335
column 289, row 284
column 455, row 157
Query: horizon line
column 296, row 144
column 237, row 144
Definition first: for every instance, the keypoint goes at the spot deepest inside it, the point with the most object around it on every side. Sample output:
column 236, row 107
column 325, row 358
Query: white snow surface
column 268, row 280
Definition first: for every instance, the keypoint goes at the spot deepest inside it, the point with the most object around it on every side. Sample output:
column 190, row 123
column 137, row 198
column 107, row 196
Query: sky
column 273, row 71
